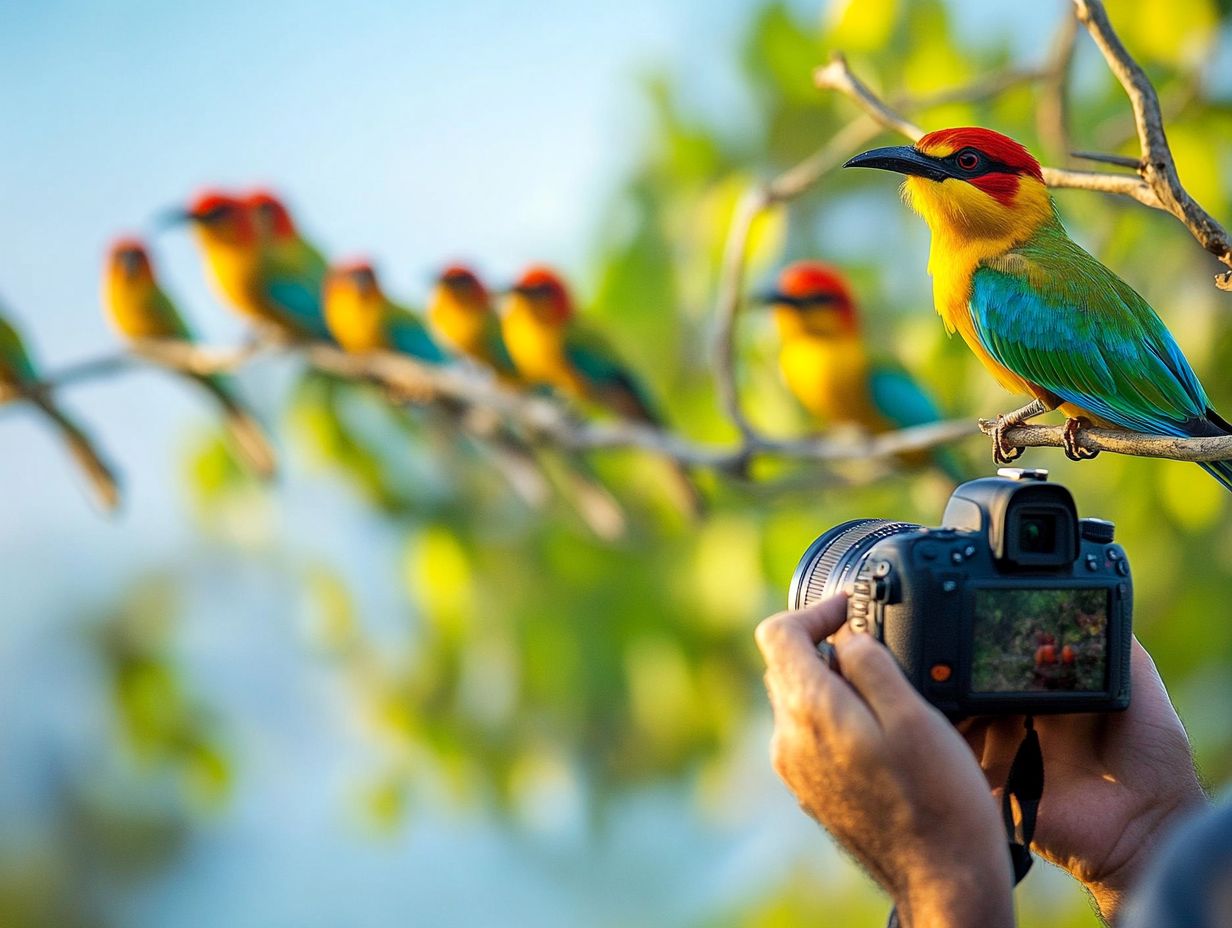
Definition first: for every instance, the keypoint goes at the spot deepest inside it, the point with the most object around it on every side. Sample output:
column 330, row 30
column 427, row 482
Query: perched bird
column 141, row 310
column 826, row 363
column 18, row 377
column 551, row 348
column 463, row 319
column 362, row 318
column 282, row 240
column 1044, row 316
column 250, row 272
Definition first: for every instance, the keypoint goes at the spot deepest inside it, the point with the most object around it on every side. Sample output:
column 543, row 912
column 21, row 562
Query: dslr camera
column 1014, row 606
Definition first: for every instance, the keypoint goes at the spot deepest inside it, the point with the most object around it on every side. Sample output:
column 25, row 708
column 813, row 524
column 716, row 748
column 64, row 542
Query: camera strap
column 1024, row 785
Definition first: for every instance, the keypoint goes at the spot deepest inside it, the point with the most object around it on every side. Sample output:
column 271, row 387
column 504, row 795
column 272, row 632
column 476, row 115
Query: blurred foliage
column 533, row 659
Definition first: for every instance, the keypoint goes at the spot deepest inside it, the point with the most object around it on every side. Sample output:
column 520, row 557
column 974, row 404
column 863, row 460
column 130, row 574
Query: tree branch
column 1158, row 168
column 1123, row 442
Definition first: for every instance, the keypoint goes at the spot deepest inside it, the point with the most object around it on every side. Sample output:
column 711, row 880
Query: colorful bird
column 1044, row 316
column 19, row 378
column 282, row 240
column 825, row 361
column 140, row 309
column 362, row 318
column 551, row 348
column 463, row 319
column 251, row 272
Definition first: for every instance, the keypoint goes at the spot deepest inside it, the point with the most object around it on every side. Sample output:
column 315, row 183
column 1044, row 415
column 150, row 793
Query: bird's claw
column 1002, row 451
column 1069, row 440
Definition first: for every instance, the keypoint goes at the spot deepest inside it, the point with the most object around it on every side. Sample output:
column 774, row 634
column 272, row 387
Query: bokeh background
column 383, row 692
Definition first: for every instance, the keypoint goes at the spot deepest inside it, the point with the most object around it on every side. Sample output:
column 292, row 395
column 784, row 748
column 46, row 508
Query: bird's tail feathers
column 102, row 478
column 248, row 437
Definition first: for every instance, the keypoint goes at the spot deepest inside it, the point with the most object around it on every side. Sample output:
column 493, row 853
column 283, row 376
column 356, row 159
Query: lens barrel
column 831, row 562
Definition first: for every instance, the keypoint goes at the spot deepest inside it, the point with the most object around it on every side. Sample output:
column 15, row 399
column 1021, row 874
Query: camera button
column 949, row 586
column 1122, row 568
column 956, row 557
column 882, row 569
column 969, row 551
column 1092, row 562
column 940, row 673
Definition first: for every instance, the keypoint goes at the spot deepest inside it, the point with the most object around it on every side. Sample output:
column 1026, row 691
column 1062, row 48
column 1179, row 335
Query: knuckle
column 769, row 633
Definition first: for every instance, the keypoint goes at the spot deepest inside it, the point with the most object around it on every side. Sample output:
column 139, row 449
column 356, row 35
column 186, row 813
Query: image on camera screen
column 1031, row 641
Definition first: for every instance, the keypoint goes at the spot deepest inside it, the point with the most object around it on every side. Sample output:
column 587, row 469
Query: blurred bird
column 1044, row 316
column 463, row 319
column 362, row 318
column 282, row 240
column 826, row 363
column 550, row 347
column 140, row 309
column 19, row 377
column 251, row 271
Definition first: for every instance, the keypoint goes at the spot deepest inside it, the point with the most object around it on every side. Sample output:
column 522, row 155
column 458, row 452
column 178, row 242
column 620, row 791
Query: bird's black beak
column 779, row 298
column 902, row 159
column 170, row 218
column 519, row 289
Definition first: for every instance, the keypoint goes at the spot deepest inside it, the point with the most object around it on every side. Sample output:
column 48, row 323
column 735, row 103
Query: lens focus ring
column 824, row 569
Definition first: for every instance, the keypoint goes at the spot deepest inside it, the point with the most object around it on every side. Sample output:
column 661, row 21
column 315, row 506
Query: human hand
column 1115, row 783
column 885, row 773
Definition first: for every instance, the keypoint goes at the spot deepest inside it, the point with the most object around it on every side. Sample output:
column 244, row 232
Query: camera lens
column 1037, row 533
column 832, row 561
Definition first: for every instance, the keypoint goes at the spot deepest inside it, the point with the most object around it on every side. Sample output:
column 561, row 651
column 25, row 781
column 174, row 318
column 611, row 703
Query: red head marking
column 462, row 280
column 1004, row 163
column 806, row 281
column 271, row 213
column 220, row 211
column 542, row 283
column 130, row 257
column 360, row 274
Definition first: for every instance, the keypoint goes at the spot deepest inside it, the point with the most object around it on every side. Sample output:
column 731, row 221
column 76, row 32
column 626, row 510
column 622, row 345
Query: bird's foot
column 1002, row 451
column 1069, row 440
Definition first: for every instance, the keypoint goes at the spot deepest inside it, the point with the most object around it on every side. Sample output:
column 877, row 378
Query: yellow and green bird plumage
column 255, row 270
column 363, row 319
column 139, row 308
column 464, row 321
column 826, row 363
column 551, row 348
column 18, row 376
column 1045, row 317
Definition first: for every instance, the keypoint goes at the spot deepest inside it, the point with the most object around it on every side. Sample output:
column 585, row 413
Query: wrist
column 967, row 894
column 1110, row 890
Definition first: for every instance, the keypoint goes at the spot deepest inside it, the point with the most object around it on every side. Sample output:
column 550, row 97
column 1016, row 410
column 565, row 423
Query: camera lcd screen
column 1033, row 641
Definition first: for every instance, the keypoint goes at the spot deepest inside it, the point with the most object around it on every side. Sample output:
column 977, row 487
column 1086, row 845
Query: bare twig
column 1052, row 111
column 1120, row 161
column 1158, row 168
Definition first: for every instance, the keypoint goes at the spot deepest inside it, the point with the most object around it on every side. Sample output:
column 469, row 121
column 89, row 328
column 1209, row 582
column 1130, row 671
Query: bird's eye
column 968, row 160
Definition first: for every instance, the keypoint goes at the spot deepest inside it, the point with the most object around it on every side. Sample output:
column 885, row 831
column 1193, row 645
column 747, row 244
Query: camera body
column 1013, row 606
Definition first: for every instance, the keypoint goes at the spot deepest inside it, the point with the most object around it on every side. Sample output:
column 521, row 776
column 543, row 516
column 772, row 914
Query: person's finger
column 784, row 636
column 795, row 674
column 872, row 671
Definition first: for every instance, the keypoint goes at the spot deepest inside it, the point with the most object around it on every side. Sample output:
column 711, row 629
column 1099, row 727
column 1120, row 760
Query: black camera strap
column 1024, row 785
